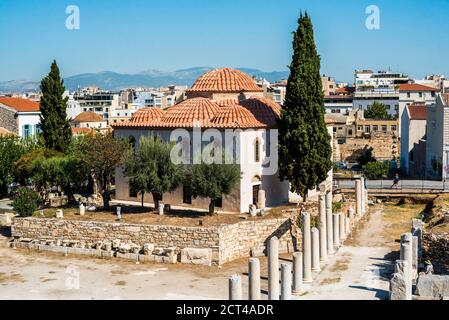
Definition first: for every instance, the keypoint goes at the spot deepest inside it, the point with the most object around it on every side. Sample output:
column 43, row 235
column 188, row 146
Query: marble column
column 362, row 185
column 329, row 223
column 315, row 249
column 358, row 197
column 407, row 255
column 235, row 287
column 297, row 273
column 273, row 269
column 336, row 222
column 306, row 247
column 323, row 228
column 415, row 255
column 347, row 226
column 253, row 279
column 286, row 281
column 342, row 232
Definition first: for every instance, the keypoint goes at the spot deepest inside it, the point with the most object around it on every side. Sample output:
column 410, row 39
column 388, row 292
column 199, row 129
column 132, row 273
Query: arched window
column 257, row 151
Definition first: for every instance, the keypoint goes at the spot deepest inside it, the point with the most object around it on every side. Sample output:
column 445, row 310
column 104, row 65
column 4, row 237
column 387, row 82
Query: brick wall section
column 7, row 120
column 227, row 242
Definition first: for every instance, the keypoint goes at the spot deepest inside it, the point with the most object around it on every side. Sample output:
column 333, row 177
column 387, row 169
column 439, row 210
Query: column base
column 307, row 280
column 316, row 269
column 298, row 293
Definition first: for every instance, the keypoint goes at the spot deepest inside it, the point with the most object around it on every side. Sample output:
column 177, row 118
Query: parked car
column 341, row 165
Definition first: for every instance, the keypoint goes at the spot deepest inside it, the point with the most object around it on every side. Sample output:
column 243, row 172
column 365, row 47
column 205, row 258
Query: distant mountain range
column 109, row 80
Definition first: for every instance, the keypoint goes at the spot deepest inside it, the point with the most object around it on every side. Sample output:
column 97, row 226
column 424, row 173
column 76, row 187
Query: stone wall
column 384, row 147
column 227, row 242
column 436, row 249
column 7, row 120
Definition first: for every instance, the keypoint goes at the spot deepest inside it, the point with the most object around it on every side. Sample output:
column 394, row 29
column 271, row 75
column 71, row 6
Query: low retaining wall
column 227, row 242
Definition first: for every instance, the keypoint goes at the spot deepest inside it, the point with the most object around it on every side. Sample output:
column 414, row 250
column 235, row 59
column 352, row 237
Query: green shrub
column 336, row 206
column 26, row 202
column 376, row 170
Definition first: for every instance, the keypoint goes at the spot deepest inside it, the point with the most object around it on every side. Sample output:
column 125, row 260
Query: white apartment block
column 437, row 138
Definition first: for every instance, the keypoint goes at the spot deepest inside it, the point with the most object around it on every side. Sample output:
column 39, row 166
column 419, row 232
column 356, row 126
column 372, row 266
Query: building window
column 186, row 194
column 388, row 106
column 256, row 151
column 350, row 132
column 384, row 129
column 396, row 107
column 367, row 129
column 393, row 128
column 433, row 94
column 420, row 94
column 375, row 128
column 334, row 129
column 132, row 192
column 26, row 130
column 219, row 202
column 408, row 94
column 359, row 128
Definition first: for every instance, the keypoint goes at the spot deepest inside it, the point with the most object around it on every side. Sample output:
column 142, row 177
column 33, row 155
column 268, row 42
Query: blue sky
column 135, row 35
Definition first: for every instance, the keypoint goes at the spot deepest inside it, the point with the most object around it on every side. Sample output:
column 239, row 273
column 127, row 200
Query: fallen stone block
column 128, row 256
column 432, row 285
column 398, row 288
column 201, row 256
column 146, row 258
column 170, row 259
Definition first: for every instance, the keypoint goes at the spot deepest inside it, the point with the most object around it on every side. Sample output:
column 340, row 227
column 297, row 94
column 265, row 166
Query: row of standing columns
column 407, row 267
column 317, row 244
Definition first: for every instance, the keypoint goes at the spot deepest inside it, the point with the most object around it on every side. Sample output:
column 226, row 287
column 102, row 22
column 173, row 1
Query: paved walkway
column 361, row 268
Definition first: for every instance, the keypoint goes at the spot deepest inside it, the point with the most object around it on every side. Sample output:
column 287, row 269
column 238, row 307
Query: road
column 386, row 184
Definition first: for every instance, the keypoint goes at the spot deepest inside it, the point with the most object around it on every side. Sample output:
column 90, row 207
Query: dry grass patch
column 139, row 215
column 11, row 277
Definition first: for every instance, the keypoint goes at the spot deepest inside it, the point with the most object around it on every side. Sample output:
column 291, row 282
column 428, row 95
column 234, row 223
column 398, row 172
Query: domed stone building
column 223, row 107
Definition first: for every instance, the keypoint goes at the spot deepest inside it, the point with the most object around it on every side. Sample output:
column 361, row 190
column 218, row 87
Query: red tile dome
column 142, row 117
column 225, row 80
column 227, row 102
column 235, row 116
column 185, row 113
column 264, row 110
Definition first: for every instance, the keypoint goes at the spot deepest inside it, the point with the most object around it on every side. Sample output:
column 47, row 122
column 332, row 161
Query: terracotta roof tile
column 88, row 116
column 235, row 116
column 227, row 102
column 265, row 110
column 189, row 112
column 417, row 111
column 225, row 80
column 142, row 118
column 415, row 87
column 81, row 130
column 19, row 104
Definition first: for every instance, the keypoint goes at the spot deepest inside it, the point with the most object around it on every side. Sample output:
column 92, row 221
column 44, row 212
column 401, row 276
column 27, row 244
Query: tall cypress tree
column 54, row 124
column 304, row 143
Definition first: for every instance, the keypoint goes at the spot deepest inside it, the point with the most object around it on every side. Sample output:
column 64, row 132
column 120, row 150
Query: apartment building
column 437, row 138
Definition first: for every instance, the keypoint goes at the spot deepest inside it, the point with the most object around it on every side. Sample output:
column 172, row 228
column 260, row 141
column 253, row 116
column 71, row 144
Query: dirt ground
column 359, row 270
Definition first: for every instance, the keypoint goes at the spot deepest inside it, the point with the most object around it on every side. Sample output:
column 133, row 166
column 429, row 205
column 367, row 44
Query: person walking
column 395, row 181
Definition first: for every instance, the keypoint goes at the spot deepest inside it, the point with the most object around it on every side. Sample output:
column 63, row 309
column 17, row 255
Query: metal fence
column 415, row 185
